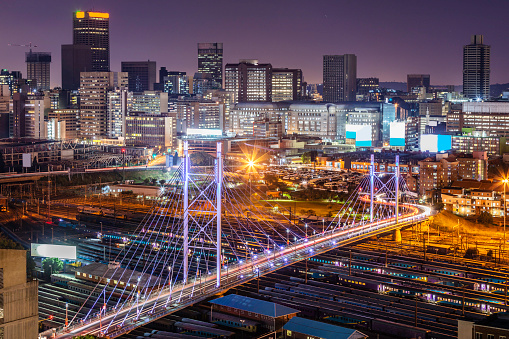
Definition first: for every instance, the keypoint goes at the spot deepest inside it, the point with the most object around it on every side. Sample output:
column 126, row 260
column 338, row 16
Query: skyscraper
column 173, row 82
column 417, row 80
column 339, row 77
column 210, row 60
column 94, row 87
column 93, row 29
column 38, row 68
column 75, row 59
column 249, row 80
column 476, row 69
column 141, row 74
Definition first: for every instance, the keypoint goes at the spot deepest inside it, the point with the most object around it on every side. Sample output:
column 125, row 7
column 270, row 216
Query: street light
column 306, row 231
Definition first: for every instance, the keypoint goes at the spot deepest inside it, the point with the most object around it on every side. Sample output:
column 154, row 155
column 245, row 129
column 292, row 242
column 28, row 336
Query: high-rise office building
column 210, row 60
column 339, row 77
column 249, row 80
column 141, row 74
column 93, row 29
column 476, row 69
column 35, row 107
column 94, row 87
column 38, row 68
column 417, row 80
column 173, row 82
column 119, row 101
column 286, row 84
column 75, row 59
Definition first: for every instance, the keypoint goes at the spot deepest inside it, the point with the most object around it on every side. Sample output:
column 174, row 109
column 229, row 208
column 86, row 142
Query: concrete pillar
column 396, row 236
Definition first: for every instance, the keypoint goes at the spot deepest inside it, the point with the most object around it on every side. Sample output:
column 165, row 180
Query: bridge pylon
column 396, row 235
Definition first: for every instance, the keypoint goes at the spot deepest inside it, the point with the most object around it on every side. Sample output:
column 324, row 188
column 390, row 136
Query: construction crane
column 29, row 45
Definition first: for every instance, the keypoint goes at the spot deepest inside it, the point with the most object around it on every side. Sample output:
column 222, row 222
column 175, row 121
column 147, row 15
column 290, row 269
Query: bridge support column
column 185, row 207
column 219, row 182
column 396, row 181
column 371, row 186
column 396, row 235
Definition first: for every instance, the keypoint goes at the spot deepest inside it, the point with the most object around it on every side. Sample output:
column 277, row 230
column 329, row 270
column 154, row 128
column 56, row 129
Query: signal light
column 50, row 317
column 123, row 150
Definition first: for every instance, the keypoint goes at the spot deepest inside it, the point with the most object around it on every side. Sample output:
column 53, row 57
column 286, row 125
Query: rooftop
column 120, row 274
column 257, row 306
column 321, row 330
column 498, row 320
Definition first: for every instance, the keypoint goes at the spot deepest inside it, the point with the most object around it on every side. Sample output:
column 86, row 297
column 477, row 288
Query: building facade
column 93, row 29
column 435, row 174
column 94, row 88
column 417, row 80
column 75, row 59
column 141, row 75
column 476, row 69
column 35, row 108
column 339, row 77
column 491, row 118
column 249, row 81
column 210, row 60
column 151, row 130
column 286, row 84
column 38, row 68
column 119, row 101
column 63, row 124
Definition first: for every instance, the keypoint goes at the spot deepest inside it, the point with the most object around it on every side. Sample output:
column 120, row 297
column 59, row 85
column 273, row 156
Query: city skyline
column 269, row 34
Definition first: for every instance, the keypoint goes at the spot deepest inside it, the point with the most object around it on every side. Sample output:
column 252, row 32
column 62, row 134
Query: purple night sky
column 390, row 38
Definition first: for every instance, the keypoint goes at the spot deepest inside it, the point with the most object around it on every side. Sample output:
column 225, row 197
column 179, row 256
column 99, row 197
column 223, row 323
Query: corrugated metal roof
column 248, row 304
column 321, row 330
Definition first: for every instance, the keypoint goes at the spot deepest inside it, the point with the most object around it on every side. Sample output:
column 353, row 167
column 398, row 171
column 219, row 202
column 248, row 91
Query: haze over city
column 390, row 38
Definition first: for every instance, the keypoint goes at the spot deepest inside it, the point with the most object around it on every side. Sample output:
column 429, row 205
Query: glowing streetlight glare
column 251, row 163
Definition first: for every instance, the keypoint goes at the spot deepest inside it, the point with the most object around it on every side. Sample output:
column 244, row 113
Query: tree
column 485, row 218
column 154, row 181
column 162, row 182
column 146, row 181
column 471, row 253
column 52, row 265
column 308, row 157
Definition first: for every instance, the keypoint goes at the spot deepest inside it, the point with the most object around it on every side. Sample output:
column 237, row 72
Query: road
column 159, row 303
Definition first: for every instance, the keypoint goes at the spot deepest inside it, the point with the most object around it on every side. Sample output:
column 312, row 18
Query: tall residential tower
column 476, row 69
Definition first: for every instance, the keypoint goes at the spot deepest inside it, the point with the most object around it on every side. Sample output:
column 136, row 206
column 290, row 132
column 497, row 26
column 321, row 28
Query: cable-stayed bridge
column 207, row 234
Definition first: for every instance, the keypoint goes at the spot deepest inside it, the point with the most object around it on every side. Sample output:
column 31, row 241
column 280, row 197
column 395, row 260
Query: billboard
column 361, row 134
column 435, row 143
column 53, row 251
column 397, row 133
column 27, row 160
